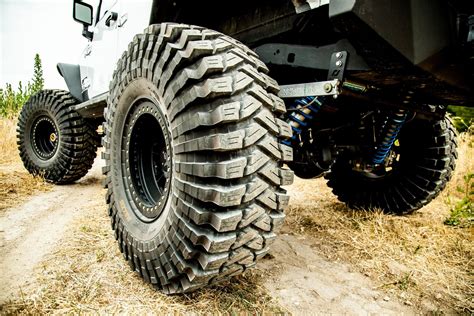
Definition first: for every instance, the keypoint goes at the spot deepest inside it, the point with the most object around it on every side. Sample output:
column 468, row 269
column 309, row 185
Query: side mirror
column 82, row 12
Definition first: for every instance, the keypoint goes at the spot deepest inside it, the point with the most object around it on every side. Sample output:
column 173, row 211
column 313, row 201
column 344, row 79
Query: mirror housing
column 83, row 13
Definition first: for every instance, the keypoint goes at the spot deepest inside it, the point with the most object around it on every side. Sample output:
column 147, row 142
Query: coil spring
column 391, row 131
column 302, row 113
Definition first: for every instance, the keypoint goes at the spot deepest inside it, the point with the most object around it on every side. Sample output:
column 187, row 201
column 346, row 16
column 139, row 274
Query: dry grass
column 425, row 262
column 15, row 182
column 87, row 274
column 16, row 185
column 8, row 147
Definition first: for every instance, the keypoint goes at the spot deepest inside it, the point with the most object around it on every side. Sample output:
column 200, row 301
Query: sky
column 45, row 27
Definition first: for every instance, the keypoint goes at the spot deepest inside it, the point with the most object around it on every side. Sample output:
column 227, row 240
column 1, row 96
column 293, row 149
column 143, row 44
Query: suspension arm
column 311, row 89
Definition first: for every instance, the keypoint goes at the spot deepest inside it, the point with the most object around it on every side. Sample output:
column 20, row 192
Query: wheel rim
column 148, row 160
column 45, row 137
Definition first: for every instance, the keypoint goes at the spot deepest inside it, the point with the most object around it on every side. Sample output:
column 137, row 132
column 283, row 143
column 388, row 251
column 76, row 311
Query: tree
column 38, row 81
column 11, row 101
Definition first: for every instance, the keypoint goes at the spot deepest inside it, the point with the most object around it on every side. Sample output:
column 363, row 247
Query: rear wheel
column 54, row 141
column 424, row 160
column 194, row 166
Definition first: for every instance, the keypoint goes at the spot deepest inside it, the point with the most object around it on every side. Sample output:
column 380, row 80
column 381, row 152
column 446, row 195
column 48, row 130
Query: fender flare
column 72, row 75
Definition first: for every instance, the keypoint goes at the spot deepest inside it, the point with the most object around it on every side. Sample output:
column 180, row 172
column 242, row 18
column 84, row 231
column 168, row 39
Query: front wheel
column 193, row 159
column 423, row 164
column 53, row 139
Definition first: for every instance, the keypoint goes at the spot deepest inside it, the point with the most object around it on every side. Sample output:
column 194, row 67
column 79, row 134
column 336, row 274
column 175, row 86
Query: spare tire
column 194, row 166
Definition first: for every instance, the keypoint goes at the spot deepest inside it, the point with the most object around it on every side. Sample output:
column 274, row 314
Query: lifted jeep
column 212, row 108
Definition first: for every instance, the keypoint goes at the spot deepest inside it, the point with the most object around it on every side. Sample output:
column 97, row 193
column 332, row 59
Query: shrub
column 11, row 101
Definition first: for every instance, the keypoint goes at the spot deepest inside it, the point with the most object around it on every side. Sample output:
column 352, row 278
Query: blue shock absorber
column 390, row 134
column 302, row 113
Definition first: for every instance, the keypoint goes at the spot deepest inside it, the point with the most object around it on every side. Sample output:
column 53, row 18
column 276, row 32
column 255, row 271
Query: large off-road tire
column 193, row 160
column 55, row 141
column 427, row 156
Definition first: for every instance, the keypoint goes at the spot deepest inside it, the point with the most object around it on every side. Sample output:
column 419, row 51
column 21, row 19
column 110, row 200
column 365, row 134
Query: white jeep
column 199, row 139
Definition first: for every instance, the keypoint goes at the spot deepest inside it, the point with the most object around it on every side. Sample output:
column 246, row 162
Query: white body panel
column 99, row 59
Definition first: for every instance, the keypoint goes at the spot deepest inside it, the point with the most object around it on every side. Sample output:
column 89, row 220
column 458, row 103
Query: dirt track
column 32, row 230
column 300, row 279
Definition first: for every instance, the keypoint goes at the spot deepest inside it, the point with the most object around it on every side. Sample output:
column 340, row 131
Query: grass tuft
column 462, row 214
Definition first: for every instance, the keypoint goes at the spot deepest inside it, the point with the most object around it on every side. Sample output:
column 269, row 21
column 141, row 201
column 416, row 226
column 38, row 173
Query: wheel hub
column 45, row 137
column 53, row 137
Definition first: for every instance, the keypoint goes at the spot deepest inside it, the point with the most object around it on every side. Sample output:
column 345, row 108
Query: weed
column 405, row 282
column 463, row 118
column 462, row 214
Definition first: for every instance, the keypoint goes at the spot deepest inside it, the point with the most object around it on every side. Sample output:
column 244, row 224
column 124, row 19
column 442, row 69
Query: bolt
column 327, row 87
column 338, row 55
column 338, row 63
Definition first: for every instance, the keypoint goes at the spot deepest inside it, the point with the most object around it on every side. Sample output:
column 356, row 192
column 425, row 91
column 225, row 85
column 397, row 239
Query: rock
column 386, row 298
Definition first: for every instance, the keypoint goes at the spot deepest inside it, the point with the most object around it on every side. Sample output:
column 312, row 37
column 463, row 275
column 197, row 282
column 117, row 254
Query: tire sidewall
column 125, row 205
column 37, row 163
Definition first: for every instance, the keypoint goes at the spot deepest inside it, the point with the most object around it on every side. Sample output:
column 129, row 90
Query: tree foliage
column 38, row 81
column 12, row 100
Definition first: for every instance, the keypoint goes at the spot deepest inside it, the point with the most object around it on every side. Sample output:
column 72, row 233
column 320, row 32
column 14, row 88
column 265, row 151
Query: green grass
column 462, row 214
column 463, row 118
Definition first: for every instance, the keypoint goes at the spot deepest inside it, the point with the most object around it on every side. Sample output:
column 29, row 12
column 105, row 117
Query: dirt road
column 32, row 230
column 306, row 283
column 296, row 275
